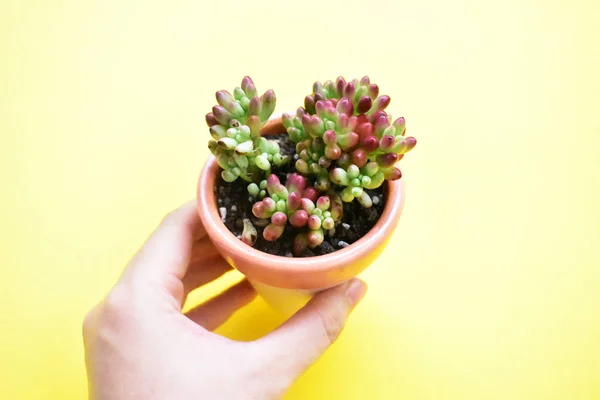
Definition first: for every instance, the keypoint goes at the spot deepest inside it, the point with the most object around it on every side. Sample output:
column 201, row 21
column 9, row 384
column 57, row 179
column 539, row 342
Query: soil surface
column 235, row 204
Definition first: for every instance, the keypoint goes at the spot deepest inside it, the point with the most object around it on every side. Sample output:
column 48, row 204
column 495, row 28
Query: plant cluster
column 235, row 125
column 345, row 140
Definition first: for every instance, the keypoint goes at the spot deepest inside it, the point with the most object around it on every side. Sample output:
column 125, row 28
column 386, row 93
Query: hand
column 139, row 345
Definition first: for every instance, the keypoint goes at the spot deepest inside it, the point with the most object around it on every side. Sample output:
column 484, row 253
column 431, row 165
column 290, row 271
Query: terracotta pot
column 287, row 283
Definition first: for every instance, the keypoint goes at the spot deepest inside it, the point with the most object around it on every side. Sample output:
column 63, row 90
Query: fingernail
column 356, row 291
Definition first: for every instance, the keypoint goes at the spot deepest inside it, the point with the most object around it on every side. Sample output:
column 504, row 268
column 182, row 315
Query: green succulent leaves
column 235, row 125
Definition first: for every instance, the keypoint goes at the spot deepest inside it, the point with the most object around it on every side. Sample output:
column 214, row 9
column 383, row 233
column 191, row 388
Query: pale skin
column 140, row 345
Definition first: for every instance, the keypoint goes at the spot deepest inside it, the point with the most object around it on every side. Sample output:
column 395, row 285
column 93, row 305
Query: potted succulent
column 305, row 201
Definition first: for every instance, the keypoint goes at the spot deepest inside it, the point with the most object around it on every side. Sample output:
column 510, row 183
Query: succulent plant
column 363, row 95
column 235, row 125
column 346, row 144
column 350, row 140
column 301, row 206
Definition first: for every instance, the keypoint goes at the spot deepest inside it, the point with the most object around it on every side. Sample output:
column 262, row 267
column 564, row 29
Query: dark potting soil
column 235, row 204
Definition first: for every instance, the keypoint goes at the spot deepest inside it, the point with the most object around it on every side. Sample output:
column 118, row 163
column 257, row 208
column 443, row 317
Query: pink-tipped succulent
column 344, row 136
column 300, row 205
column 383, row 144
column 323, row 214
column 363, row 95
column 235, row 125
column 346, row 145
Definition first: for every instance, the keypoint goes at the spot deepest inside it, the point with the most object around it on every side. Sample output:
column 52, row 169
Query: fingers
column 217, row 310
column 300, row 341
column 204, row 271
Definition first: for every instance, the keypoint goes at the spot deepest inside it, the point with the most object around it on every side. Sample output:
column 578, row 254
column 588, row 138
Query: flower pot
column 287, row 283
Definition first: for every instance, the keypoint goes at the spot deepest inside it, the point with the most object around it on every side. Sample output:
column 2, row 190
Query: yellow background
column 490, row 288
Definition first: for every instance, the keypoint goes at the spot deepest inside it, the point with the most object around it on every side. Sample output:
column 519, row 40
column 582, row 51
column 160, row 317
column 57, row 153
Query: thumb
column 301, row 341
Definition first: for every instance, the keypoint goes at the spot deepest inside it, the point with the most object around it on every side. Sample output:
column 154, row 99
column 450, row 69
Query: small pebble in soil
column 342, row 244
column 223, row 213
column 345, row 226
column 376, row 200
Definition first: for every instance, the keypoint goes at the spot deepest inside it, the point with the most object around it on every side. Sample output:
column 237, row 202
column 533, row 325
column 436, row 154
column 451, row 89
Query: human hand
column 139, row 344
